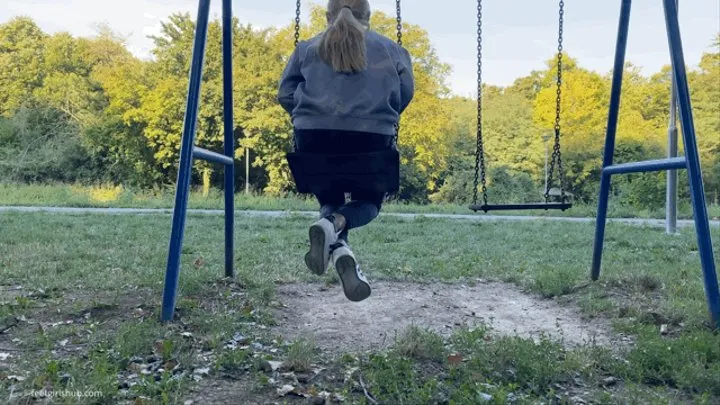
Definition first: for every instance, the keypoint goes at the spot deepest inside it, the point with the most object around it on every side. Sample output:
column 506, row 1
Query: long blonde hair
column 342, row 45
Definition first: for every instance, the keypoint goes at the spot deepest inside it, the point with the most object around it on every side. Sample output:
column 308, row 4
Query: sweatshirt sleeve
column 291, row 78
column 407, row 80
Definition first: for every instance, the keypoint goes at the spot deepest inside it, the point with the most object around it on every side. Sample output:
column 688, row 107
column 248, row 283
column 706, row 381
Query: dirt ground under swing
column 339, row 326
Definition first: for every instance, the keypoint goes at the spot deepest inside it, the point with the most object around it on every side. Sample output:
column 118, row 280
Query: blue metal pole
column 702, row 225
column 229, row 138
column 671, row 193
column 610, row 136
column 172, row 273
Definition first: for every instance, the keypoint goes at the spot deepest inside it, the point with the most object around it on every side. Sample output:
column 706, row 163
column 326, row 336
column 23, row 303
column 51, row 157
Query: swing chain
column 399, row 27
column 399, row 22
column 557, row 155
column 297, row 22
column 480, row 176
column 298, row 9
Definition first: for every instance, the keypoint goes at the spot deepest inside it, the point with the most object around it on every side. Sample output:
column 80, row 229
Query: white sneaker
column 354, row 283
column 322, row 236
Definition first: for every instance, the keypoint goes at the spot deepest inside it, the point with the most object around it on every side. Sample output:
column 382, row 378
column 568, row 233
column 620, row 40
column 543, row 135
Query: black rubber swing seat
column 521, row 207
column 377, row 172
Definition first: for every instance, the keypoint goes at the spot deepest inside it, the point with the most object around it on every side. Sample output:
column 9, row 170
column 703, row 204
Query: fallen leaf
column 285, row 389
column 158, row 345
column 202, row 371
column 240, row 339
column 455, row 359
column 663, row 329
column 4, row 356
column 274, row 365
column 609, row 381
column 186, row 334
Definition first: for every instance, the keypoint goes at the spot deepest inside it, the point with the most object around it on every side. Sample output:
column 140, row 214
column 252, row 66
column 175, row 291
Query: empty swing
column 480, row 169
column 377, row 172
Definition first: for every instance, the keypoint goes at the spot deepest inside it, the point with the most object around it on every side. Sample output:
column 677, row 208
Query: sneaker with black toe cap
column 355, row 285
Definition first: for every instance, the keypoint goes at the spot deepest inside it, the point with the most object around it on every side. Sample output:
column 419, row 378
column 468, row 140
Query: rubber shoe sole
column 322, row 235
column 355, row 288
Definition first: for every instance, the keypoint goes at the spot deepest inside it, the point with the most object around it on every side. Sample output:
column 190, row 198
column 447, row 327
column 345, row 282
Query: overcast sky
column 519, row 34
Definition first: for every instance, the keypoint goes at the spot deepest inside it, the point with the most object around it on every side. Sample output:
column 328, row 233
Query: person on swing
column 345, row 90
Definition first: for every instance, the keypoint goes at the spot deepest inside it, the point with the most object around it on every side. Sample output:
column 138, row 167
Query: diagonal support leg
column 618, row 69
column 702, row 224
column 172, row 273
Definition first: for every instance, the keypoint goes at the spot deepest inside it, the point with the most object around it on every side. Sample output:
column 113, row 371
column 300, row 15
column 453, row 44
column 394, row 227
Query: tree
column 22, row 45
column 42, row 143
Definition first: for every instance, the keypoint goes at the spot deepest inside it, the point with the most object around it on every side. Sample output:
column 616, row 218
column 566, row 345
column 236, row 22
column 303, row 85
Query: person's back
column 345, row 91
column 370, row 100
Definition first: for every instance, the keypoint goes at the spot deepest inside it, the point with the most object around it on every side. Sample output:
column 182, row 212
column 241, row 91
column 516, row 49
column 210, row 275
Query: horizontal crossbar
column 204, row 154
column 647, row 166
column 521, row 207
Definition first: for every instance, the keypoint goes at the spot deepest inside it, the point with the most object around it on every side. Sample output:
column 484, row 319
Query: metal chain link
column 480, row 175
column 557, row 155
column 399, row 27
column 298, row 9
column 398, row 10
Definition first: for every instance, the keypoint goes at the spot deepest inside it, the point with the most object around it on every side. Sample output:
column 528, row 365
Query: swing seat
column 377, row 172
column 521, row 207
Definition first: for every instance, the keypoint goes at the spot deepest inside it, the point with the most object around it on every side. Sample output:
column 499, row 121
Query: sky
column 519, row 35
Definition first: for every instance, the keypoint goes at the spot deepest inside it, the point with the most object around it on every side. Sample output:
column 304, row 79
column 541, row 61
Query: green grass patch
column 105, row 274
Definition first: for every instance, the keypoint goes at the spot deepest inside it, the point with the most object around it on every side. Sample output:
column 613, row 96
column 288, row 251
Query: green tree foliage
column 41, row 143
column 22, row 70
column 86, row 109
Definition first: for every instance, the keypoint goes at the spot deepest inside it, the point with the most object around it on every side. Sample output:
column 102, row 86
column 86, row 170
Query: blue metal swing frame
column 189, row 152
column 690, row 162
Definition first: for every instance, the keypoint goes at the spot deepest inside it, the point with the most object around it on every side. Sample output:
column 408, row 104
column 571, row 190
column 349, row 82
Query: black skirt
column 326, row 160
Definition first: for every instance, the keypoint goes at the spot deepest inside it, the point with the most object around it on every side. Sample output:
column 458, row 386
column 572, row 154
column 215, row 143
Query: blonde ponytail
column 342, row 46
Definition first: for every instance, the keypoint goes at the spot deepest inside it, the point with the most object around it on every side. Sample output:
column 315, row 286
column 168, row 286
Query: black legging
column 364, row 206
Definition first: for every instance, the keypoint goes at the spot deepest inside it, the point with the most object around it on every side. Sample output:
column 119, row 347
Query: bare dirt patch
column 338, row 325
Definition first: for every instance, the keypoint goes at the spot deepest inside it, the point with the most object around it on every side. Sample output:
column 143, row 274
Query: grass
column 111, row 196
column 104, row 275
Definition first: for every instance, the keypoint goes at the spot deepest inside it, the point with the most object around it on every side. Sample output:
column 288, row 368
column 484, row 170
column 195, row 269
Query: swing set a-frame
column 690, row 162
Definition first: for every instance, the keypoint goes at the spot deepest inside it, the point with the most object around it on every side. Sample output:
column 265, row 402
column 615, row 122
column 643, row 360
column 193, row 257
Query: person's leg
column 337, row 217
column 324, row 232
column 364, row 207
column 361, row 211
